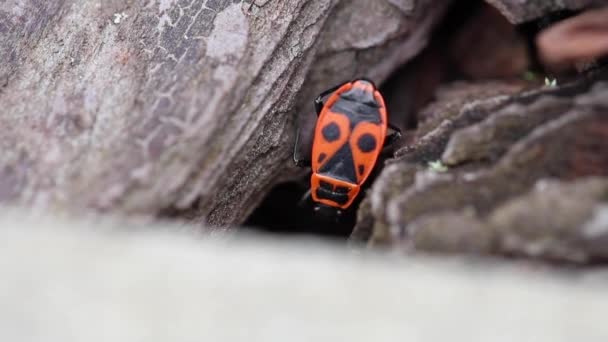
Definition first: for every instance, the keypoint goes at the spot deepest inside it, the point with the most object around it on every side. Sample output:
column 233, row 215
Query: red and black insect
column 349, row 136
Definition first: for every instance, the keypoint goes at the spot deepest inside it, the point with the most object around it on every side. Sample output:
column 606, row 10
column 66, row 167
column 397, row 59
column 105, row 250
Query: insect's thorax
column 348, row 139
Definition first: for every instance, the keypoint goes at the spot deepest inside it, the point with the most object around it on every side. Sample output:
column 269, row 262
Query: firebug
column 349, row 136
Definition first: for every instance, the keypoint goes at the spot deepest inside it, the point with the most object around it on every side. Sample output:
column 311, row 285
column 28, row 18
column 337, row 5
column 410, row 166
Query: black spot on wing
column 361, row 170
column 331, row 132
column 341, row 165
column 367, row 143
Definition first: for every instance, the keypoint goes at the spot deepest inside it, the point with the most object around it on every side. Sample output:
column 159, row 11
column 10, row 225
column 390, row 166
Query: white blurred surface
column 63, row 284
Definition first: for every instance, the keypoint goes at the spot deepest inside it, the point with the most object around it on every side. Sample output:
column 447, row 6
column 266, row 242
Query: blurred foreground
column 63, row 281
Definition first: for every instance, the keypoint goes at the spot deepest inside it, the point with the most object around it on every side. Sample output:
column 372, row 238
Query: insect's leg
column 319, row 103
column 306, row 200
column 393, row 137
column 300, row 162
column 394, row 128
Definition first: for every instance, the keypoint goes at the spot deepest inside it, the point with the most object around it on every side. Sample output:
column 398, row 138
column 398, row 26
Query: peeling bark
column 560, row 221
column 497, row 152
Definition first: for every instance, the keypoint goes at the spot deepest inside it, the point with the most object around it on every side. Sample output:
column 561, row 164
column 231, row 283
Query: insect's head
column 362, row 92
column 327, row 213
column 363, row 81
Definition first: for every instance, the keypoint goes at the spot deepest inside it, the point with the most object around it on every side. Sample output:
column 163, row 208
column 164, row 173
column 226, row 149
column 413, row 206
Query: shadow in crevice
column 280, row 213
column 465, row 47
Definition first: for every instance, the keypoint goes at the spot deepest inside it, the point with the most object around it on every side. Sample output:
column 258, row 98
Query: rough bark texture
column 139, row 106
column 497, row 150
column 160, row 286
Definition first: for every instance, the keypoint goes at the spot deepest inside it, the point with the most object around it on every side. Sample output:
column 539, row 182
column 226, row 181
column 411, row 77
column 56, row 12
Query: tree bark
column 518, row 177
column 137, row 107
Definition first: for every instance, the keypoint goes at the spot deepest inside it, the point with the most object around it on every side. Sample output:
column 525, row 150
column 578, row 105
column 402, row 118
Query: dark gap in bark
column 407, row 91
column 279, row 212
column 413, row 85
column 532, row 28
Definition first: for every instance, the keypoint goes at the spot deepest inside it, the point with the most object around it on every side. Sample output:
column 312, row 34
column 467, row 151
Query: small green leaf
column 437, row 166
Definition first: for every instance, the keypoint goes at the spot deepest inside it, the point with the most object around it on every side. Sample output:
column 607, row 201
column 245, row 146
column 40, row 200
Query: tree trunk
column 142, row 106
